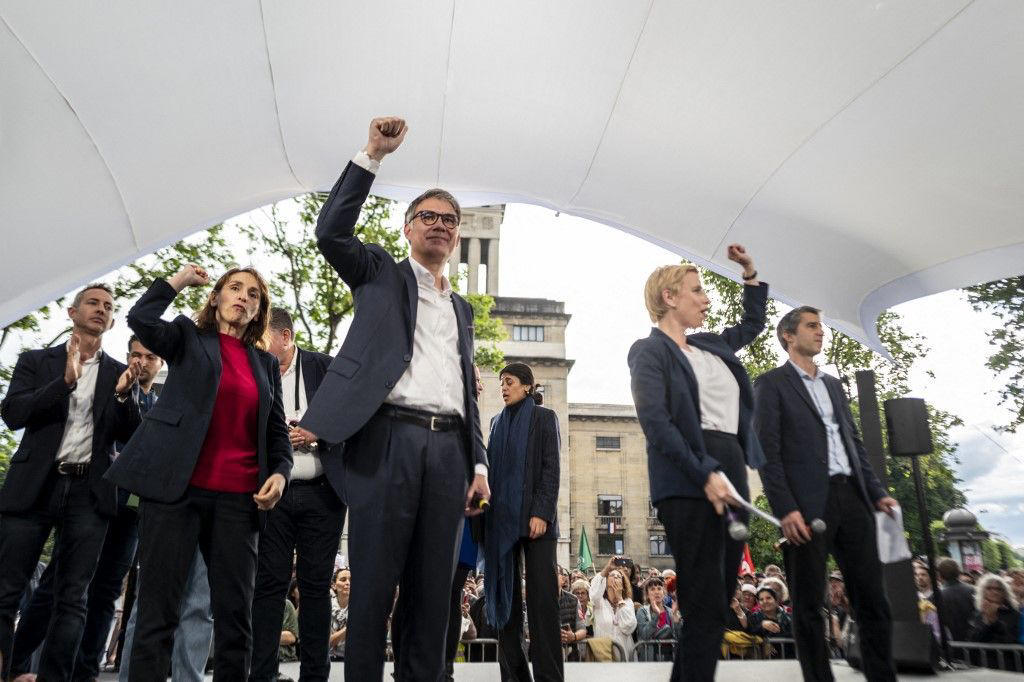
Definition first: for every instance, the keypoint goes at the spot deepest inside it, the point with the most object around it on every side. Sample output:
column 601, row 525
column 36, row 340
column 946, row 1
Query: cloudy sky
column 599, row 273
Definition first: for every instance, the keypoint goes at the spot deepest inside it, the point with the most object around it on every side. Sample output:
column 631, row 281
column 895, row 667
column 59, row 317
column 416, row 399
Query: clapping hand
column 73, row 366
column 386, row 135
column 128, row 377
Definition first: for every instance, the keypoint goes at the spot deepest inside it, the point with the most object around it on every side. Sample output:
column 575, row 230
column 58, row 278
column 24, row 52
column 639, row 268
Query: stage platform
column 728, row 671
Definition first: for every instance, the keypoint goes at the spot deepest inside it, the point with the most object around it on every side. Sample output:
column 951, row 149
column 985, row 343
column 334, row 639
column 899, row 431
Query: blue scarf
column 506, row 455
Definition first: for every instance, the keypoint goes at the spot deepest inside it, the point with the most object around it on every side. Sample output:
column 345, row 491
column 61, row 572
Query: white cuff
column 363, row 160
column 480, row 470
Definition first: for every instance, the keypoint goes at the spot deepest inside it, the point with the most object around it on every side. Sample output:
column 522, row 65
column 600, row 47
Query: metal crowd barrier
column 664, row 650
column 1009, row 657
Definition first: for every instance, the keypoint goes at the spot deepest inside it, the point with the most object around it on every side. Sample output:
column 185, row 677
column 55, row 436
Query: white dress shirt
column 306, row 465
column 76, row 443
column 717, row 390
column 838, row 459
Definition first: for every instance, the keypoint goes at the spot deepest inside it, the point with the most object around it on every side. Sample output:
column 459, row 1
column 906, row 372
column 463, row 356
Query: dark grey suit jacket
column 795, row 444
column 158, row 461
column 38, row 400
column 379, row 345
column 314, row 369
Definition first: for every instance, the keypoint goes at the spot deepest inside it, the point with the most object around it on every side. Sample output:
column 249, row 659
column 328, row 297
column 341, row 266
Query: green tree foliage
column 764, row 538
column 488, row 332
column 1004, row 298
column 727, row 309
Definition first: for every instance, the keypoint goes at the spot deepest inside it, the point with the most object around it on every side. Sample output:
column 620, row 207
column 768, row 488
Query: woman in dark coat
column 211, row 454
column 521, row 525
column 695, row 404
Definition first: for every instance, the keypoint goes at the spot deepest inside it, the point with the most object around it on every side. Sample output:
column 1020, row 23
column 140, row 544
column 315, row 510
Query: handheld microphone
column 819, row 526
column 738, row 530
column 483, row 504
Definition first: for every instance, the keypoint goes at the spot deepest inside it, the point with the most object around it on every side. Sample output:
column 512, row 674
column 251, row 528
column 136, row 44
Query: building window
column 609, row 505
column 608, row 543
column 609, row 443
column 527, row 332
column 659, row 546
column 652, row 511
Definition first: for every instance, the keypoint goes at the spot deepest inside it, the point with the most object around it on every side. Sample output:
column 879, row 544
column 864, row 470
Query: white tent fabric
column 867, row 152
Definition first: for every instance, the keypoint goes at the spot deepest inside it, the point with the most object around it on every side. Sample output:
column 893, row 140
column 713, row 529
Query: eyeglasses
column 429, row 218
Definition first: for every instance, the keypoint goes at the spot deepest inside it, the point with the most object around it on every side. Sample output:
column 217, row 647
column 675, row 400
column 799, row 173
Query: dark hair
column 523, row 372
column 435, row 193
column 948, row 569
column 77, row 300
column 791, row 320
column 132, row 340
column 652, row 582
column 256, row 331
column 769, row 590
column 336, row 572
column 281, row 319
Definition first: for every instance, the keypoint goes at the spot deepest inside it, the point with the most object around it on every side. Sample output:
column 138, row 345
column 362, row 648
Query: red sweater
column 228, row 459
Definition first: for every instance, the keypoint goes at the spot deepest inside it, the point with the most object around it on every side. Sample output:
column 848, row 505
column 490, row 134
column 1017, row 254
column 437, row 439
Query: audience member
column 958, row 599
column 748, row 598
column 614, row 615
column 339, row 613
column 771, row 620
column 570, row 621
column 655, row 621
column 581, row 590
column 287, row 651
column 998, row 619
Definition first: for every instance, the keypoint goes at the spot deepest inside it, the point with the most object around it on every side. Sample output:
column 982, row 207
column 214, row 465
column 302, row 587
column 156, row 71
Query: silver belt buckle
column 433, row 423
column 61, row 468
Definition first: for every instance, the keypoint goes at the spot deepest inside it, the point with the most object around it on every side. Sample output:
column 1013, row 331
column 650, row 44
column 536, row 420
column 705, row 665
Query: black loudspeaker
column 906, row 422
column 914, row 649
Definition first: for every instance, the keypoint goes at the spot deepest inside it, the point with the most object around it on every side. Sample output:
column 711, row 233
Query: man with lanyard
column 306, row 523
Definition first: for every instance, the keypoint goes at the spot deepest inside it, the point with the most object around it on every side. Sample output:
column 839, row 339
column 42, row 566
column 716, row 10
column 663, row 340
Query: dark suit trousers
column 306, row 523
column 224, row 526
column 406, row 488
column 114, row 562
column 65, row 505
column 454, row 635
column 542, row 611
column 707, row 563
column 850, row 537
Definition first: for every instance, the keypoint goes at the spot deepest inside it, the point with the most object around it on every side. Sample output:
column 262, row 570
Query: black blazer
column 379, row 345
column 795, row 444
column 541, row 475
column 158, row 461
column 314, row 369
column 958, row 610
column 38, row 400
column 668, row 403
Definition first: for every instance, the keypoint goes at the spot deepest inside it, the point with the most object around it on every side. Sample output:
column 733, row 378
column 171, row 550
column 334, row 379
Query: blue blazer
column 158, row 461
column 38, row 400
column 379, row 345
column 668, row 404
column 795, row 444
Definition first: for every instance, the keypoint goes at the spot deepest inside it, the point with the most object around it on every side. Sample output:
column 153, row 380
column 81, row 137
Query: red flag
column 747, row 565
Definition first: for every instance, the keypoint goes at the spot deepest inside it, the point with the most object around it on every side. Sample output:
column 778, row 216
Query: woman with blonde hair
column 695, row 404
column 211, row 454
column 998, row 618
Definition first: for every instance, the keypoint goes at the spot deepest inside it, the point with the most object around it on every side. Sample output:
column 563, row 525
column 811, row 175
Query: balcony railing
column 603, row 522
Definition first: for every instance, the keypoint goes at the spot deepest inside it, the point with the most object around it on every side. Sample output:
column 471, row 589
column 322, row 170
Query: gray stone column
column 492, row 267
column 474, row 266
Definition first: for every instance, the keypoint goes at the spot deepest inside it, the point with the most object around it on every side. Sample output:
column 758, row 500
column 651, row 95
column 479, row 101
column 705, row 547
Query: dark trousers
column 451, row 641
column 224, row 527
column 65, row 506
column 114, row 562
column 406, row 488
column 707, row 563
column 306, row 523
column 542, row 611
column 850, row 537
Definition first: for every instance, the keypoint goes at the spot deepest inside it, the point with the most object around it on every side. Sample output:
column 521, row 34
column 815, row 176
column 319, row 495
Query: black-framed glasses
column 429, row 218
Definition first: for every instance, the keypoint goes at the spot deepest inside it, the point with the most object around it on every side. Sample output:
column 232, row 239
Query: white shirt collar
column 805, row 375
column 295, row 360
column 426, row 277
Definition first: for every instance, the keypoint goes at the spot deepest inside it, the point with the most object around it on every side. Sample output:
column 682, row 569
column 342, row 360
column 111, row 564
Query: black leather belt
column 308, row 481
column 428, row 420
column 73, row 470
column 838, row 479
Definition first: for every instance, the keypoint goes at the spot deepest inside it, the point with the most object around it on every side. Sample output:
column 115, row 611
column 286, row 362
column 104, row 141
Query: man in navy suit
column 400, row 393
column 72, row 401
column 817, row 468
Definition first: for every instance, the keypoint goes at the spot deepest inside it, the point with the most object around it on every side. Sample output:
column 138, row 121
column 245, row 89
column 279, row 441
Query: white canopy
column 867, row 152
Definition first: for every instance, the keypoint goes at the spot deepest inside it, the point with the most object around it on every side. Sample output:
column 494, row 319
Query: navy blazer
column 541, row 474
column 314, row 369
column 795, row 444
column 668, row 403
column 38, row 400
column 158, row 461
column 379, row 345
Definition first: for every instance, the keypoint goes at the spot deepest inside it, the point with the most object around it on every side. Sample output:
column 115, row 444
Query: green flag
column 585, row 560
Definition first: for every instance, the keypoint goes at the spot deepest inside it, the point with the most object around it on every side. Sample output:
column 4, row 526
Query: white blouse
column 717, row 389
column 609, row 621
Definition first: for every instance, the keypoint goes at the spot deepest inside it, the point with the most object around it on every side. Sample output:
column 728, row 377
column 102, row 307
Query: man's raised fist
column 386, row 135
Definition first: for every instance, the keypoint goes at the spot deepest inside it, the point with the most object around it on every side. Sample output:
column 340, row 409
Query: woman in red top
column 211, row 454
